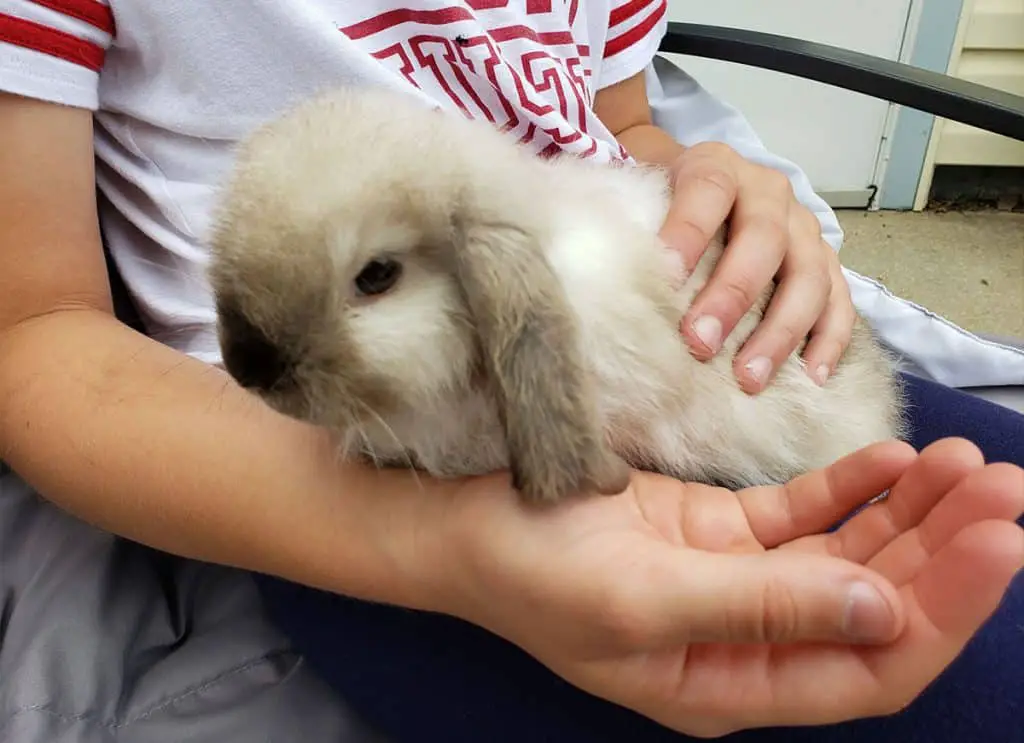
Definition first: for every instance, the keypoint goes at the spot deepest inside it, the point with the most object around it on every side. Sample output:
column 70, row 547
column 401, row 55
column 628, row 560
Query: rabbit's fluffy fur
column 534, row 324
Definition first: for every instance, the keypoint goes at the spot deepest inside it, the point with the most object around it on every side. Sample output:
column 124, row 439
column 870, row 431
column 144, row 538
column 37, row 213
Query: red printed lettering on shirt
column 532, row 81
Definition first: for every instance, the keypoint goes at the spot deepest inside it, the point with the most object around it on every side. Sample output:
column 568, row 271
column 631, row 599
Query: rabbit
column 441, row 298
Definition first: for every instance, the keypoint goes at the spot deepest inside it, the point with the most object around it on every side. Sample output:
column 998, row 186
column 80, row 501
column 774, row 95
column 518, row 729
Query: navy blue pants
column 421, row 677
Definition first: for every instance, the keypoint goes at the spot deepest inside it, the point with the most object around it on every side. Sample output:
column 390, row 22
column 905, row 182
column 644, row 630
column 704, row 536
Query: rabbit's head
column 368, row 279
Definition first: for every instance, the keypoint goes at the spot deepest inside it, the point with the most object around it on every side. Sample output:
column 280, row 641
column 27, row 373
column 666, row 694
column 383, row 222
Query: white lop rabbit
column 441, row 298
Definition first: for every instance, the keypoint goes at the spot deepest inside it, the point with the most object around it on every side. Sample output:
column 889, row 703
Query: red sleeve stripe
column 635, row 34
column 95, row 14
column 624, row 12
column 40, row 38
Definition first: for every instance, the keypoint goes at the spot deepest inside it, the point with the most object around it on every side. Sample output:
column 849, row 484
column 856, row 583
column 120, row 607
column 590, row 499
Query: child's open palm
column 712, row 611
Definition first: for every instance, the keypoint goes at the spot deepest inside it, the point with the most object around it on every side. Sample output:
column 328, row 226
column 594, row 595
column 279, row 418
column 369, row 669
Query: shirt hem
column 20, row 78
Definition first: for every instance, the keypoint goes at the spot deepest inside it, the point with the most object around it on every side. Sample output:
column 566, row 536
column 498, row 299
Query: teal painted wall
column 933, row 48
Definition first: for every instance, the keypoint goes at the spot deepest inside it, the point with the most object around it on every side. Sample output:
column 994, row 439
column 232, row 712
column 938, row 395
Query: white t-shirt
column 174, row 85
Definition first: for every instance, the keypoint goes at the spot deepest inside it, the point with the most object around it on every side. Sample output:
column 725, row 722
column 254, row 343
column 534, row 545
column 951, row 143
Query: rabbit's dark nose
column 250, row 357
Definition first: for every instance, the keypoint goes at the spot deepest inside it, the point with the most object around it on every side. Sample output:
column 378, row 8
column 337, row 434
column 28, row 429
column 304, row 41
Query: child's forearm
column 148, row 443
column 625, row 109
column 649, row 144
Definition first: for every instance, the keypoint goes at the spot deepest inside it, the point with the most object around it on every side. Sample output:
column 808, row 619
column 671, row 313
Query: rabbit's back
column 666, row 411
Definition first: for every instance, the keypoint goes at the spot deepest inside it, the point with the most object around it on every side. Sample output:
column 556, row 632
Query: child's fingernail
column 868, row 615
column 821, row 374
column 759, row 368
column 709, row 330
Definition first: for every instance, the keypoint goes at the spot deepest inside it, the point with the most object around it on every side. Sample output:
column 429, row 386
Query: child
column 144, row 438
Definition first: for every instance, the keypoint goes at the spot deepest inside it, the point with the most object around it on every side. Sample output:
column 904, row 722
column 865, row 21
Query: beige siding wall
column 992, row 54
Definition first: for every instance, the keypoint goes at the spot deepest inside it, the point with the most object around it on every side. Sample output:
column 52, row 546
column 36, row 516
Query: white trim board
column 924, row 185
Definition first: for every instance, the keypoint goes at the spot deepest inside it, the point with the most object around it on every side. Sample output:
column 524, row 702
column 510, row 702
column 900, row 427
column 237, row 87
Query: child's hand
column 712, row 611
column 772, row 235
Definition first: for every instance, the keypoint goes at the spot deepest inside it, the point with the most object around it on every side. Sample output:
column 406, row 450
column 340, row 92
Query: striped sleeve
column 635, row 30
column 53, row 50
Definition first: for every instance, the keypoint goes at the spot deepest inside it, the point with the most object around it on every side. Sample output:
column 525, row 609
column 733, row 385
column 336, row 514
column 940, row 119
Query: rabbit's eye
column 378, row 276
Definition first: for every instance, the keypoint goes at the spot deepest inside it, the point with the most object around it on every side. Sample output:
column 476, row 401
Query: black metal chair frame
column 931, row 92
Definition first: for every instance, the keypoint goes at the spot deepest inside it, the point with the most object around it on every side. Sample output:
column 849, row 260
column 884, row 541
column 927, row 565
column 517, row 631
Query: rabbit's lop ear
column 529, row 340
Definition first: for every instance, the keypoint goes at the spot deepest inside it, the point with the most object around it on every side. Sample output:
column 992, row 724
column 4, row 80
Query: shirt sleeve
column 53, row 50
column 635, row 30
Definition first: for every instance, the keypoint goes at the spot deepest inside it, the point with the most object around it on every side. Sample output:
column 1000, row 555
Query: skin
column 644, row 594
column 692, row 564
column 772, row 236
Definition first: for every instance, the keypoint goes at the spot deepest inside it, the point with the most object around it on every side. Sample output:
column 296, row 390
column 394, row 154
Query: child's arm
column 151, row 444
column 625, row 110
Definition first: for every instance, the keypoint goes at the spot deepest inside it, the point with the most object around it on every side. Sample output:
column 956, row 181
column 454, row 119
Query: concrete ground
column 966, row 266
